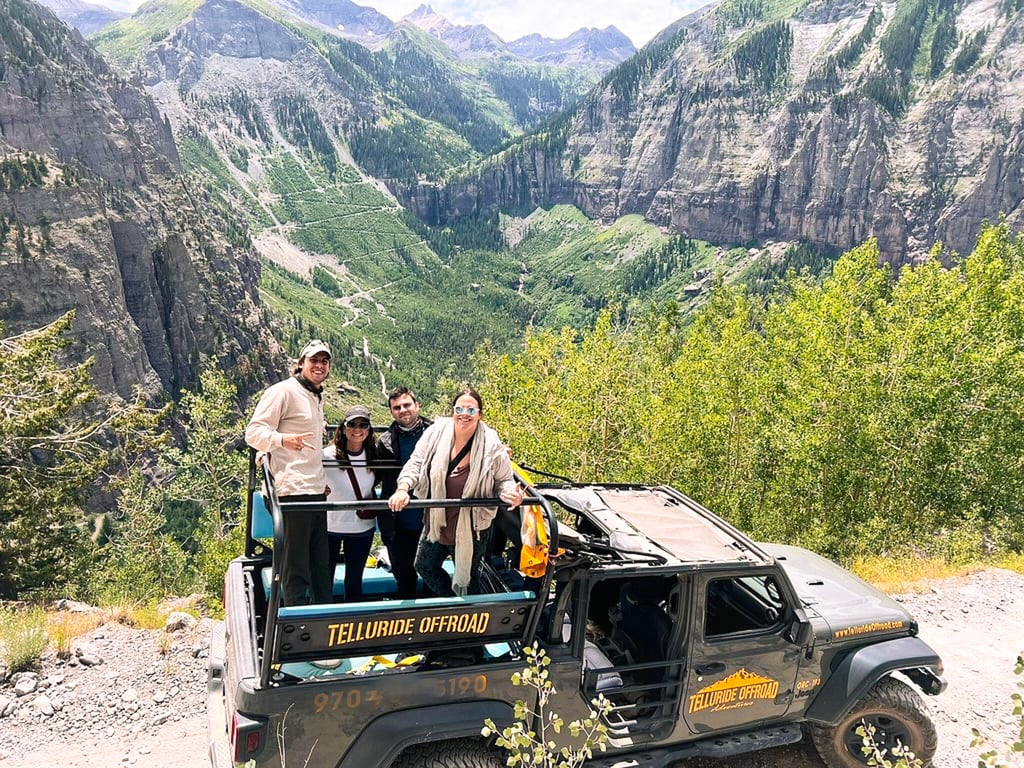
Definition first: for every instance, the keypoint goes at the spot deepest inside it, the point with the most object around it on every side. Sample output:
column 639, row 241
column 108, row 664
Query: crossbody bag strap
column 355, row 483
column 460, row 455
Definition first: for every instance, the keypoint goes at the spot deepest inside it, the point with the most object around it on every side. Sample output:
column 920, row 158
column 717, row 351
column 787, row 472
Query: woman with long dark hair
column 349, row 531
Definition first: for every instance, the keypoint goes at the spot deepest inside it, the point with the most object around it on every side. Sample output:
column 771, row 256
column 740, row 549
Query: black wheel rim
column 889, row 733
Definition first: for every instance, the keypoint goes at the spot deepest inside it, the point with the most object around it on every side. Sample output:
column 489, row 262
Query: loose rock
column 76, row 607
column 178, row 621
column 117, row 697
column 43, row 706
column 25, row 686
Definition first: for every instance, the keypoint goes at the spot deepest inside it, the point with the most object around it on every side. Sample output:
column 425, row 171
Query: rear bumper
column 216, row 711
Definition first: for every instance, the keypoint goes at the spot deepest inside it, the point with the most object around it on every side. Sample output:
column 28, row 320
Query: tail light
column 248, row 737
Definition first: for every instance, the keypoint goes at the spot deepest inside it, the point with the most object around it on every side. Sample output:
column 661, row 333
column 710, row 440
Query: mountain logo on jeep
column 740, row 689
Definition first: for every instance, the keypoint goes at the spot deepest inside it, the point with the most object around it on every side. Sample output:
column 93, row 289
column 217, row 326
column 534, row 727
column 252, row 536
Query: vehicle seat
column 639, row 623
column 594, row 658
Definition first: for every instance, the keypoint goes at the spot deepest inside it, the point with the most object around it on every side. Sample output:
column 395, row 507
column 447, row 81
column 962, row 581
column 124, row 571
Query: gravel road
column 144, row 704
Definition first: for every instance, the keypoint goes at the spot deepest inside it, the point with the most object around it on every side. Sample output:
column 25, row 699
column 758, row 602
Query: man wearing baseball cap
column 288, row 426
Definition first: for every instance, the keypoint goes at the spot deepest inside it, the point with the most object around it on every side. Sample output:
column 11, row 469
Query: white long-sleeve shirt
column 346, row 521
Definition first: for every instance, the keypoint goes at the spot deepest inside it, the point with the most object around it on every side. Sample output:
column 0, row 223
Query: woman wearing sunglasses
column 355, row 451
column 457, row 458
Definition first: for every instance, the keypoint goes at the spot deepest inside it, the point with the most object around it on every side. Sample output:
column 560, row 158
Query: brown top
column 454, row 485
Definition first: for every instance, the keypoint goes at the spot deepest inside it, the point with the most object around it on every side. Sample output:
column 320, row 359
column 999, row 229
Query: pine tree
column 57, row 435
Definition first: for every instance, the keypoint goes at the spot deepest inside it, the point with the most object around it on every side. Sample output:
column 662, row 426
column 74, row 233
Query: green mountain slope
column 287, row 126
column 789, row 120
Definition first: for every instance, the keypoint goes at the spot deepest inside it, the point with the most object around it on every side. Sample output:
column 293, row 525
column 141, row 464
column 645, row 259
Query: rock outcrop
column 732, row 128
column 97, row 218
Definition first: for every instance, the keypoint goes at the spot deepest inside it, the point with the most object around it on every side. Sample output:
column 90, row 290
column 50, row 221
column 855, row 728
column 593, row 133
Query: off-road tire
column 891, row 706
column 458, row 753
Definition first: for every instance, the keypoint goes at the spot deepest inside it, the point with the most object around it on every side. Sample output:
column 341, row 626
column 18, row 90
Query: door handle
column 710, row 669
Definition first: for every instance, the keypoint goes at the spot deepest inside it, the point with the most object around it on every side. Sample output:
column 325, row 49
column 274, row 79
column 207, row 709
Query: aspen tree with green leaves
column 865, row 413
column 176, row 531
column 528, row 740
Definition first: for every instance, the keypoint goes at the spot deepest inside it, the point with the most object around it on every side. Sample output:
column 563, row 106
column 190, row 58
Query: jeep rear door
column 742, row 668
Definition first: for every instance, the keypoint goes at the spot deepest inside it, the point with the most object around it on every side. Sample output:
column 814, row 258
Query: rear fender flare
column 861, row 669
column 384, row 739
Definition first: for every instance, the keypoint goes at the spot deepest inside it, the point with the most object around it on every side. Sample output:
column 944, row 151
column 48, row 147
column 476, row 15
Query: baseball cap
column 313, row 348
column 357, row 412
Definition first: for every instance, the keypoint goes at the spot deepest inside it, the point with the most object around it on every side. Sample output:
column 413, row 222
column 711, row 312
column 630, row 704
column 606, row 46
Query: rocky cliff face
column 96, row 218
column 838, row 123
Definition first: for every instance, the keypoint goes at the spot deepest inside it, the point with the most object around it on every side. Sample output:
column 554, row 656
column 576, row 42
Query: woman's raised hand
column 399, row 500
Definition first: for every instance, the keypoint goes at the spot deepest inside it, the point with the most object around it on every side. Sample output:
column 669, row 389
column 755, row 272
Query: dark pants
column 304, row 577
column 431, row 555
column 505, row 530
column 402, row 551
column 357, row 548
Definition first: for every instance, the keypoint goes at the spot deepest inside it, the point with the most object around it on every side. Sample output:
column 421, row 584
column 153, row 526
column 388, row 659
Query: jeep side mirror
column 801, row 632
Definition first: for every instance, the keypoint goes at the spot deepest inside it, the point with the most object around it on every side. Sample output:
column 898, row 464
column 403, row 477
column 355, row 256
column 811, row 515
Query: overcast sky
column 640, row 20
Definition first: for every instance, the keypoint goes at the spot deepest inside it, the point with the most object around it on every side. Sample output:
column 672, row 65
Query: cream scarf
column 464, row 528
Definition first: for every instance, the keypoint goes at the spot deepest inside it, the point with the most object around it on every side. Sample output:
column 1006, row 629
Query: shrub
column 24, row 637
column 1012, row 754
column 527, row 747
column 899, row 757
column 63, row 628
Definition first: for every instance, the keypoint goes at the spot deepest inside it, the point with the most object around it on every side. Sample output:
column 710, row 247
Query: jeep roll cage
column 264, row 512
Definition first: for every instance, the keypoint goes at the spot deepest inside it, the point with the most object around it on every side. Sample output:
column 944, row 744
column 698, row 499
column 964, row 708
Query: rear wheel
column 460, row 753
column 898, row 716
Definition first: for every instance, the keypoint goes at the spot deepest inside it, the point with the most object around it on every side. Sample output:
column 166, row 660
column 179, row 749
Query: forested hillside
column 864, row 415
column 291, row 127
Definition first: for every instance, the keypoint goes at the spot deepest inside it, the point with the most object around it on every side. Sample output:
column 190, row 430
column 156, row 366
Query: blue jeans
column 357, row 549
column 402, row 549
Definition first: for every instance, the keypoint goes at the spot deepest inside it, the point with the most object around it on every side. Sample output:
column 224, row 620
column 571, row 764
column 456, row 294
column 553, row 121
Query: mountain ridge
column 100, row 221
column 85, row 17
column 588, row 48
column 806, row 126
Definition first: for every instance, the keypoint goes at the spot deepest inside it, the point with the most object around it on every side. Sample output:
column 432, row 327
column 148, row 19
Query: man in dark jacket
column 401, row 533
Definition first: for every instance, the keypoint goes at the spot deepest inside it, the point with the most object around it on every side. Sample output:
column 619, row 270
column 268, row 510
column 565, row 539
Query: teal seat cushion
column 376, row 581
column 262, row 522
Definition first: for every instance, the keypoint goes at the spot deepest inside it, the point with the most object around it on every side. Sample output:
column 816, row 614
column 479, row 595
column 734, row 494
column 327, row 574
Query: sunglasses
column 358, row 425
column 468, row 410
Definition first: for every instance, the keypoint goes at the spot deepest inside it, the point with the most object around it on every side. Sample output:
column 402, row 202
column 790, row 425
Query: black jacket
column 389, row 467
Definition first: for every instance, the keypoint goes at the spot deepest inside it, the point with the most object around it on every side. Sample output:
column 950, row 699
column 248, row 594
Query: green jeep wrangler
column 705, row 642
